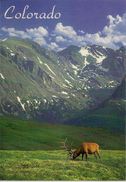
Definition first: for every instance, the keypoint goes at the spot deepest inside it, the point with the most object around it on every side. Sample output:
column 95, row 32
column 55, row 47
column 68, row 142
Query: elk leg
column 82, row 156
column 86, row 156
column 98, row 154
column 95, row 155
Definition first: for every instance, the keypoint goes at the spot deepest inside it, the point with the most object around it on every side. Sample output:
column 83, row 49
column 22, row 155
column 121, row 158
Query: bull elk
column 84, row 149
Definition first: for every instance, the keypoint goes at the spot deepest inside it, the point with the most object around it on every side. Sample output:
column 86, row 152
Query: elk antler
column 66, row 147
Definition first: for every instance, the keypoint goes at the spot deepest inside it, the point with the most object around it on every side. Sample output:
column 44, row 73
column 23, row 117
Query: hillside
column 28, row 135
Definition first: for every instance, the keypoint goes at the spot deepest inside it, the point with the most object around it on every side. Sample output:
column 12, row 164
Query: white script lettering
column 26, row 14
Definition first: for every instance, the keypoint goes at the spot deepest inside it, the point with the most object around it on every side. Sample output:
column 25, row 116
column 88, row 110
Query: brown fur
column 85, row 149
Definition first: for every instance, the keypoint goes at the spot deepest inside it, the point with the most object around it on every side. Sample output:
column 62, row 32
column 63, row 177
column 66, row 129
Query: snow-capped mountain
column 40, row 84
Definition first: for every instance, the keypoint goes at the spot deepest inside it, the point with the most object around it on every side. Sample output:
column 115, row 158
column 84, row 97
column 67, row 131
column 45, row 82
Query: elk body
column 85, row 149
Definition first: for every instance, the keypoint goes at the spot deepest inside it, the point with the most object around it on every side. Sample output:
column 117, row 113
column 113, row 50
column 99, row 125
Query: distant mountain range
column 63, row 87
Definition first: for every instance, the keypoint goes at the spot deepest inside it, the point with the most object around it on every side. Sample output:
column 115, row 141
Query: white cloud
column 66, row 35
column 81, row 31
column 40, row 40
column 114, row 24
column 66, row 31
column 113, row 35
column 36, row 34
column 12, row 32
column 60, row 39
column 53, row 46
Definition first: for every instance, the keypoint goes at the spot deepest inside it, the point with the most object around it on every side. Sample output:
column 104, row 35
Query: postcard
column 62, row 90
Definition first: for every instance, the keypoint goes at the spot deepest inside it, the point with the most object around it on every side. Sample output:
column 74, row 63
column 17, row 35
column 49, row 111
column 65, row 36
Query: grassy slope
column 28, row 135
column 52, row 165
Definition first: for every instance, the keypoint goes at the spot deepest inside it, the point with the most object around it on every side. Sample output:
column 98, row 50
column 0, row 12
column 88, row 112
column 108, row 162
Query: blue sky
column 82, row 22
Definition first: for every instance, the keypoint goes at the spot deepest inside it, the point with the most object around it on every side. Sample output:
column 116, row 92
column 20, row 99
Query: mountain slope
column 39, row 84
column 109, row 114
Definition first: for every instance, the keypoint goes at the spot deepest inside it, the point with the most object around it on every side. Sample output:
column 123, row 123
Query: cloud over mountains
column 113, row 35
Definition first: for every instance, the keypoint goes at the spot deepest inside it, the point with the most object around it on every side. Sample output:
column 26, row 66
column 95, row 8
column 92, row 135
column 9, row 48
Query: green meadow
column 32, row 151
column 53, row 165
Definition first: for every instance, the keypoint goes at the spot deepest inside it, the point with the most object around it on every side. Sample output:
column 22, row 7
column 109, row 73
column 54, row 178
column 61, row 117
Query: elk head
column 74, row 155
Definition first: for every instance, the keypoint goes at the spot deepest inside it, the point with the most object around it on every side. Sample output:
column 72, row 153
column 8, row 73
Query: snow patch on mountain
column 67, row 97
column 2, row 76
column 68, row 82
column 44, row 100
column 3, row 40
column 75, row 72
column 74, row 67
column 111, row 81
column 65, row 93
column 12, row 54
column 22, row 105
column 85, row 62
column 97, row 55
column 49, row 69
column 28, row 101
column 24, row 57
column 39, row 60
column 51, row 77
column 36, row 101
column 9, row 49
column 70, row 76
column 54, row 96
column 84, row 51
column 65, row 86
